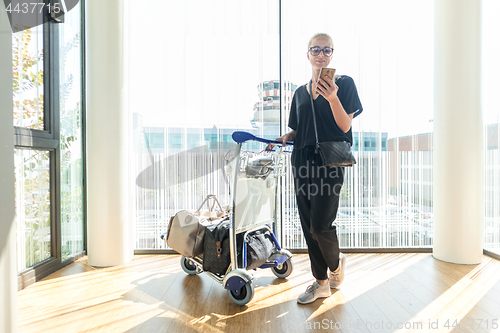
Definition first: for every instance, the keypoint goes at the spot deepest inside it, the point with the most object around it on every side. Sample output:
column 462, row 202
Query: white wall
column 8, row 274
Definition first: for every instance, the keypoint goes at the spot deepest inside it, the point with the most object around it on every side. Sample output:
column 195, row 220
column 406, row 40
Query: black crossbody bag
column 333, row 153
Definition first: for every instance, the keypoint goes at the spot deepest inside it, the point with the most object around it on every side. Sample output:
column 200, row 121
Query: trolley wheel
column 188, row 266
column 283, row 270
column 245, row 295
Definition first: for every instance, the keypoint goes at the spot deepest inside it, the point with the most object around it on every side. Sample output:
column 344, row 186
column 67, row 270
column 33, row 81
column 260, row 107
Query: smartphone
column 324, row 72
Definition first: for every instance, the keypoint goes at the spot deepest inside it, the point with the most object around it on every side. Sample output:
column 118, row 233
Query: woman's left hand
column 327, row 88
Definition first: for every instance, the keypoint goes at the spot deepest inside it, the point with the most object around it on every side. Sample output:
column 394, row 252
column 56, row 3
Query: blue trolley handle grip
column 241, row 136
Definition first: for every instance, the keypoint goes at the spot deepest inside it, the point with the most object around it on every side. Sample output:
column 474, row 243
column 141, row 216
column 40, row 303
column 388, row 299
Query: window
column 380, row 182
column 490, row 86
column 154, row 140
column 33, row 158
column 194, row 140
column 211, row 137
column 225, row 104
column 71, row 134
column 33, row 207
column 49, row 142
column 28, row 74
column 386, row 185
column 175, row 140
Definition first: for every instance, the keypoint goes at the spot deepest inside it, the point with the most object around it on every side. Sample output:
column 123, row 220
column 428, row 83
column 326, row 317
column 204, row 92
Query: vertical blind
column 491, row 113
column 200, row 70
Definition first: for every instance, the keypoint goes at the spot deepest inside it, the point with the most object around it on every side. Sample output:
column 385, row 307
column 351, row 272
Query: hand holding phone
column 324, row 72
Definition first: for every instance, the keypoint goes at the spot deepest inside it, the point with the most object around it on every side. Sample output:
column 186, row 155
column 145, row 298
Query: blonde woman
column 317, row 187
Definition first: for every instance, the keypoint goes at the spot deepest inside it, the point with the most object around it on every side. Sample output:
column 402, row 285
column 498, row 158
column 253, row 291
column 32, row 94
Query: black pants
column 317, row 190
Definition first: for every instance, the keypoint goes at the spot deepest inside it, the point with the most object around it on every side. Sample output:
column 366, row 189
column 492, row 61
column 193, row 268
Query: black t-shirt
column 327, row 127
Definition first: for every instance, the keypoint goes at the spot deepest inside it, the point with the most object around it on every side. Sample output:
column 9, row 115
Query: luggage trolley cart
column 253, row 192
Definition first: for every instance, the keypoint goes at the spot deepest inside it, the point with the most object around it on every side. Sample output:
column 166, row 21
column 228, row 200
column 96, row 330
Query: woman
column 317, row 187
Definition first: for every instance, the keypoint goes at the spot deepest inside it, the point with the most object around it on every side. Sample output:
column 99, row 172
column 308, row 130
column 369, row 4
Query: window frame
column 48, row 139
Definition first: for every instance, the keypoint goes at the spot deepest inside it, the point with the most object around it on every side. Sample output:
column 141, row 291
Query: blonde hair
column 320, row 34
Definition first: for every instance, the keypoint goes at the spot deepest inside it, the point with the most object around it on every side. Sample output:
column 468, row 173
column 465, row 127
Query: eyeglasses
column 316, row 50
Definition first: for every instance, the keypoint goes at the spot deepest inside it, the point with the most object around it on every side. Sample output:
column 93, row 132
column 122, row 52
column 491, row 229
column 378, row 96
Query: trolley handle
column 242, row 136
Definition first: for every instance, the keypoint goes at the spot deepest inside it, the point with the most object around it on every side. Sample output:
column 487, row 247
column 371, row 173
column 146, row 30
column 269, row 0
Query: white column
column 109, row 230
column 8, row 270
column 458, row 132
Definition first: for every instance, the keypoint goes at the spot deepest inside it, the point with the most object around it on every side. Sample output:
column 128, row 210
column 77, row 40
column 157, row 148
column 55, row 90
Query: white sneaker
column 313, row 292
column 336, row 278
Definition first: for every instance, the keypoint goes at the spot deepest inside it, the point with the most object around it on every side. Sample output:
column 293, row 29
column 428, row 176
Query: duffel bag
column 186, row 229
column 216, row 254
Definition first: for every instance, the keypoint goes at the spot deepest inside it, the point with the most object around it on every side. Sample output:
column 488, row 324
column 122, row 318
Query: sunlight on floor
column 153, row 294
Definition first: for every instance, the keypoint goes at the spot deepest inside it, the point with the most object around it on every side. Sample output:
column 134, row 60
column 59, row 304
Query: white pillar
column 109, row 231
column 458, row 132
column 8, row 270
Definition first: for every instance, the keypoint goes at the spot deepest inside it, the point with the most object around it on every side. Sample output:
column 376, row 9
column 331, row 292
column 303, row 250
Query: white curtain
column 491, row 113
column 201, row 69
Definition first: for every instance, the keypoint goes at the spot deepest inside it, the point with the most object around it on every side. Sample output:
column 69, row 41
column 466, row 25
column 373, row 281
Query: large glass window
column 28, row 70
column 491, row 86
column 199, row 70
column 34, row 199
column 33, row 207
column 71, row 134
column 192, row 99
column 48, row 126
column 384, row 202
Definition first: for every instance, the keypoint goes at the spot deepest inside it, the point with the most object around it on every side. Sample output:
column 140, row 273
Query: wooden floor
column 381, row 292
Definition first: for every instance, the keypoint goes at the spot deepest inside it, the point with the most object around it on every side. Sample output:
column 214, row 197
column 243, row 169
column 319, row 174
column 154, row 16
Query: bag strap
column 218, row 233
column 210, row 208
column 314, row 117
